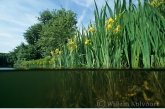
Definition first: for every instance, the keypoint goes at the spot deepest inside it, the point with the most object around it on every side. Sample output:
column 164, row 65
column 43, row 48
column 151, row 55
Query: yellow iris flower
column 57, row 50
column 91, row 29
column 110, row 20
column 86, row 42
column 153, row 2
column 109, row 26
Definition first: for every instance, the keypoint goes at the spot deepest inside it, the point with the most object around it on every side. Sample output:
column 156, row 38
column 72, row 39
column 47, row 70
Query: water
column 42, row 88
column 21, row 89
column 7, row 68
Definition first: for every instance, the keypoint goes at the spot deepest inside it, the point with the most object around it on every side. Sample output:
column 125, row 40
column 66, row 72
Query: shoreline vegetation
column 128, row 37
column 132, row 37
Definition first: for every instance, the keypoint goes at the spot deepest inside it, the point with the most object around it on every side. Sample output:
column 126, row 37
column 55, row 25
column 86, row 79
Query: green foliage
column 23, row 52
column 7, row 59
column 45, row 16
column 54, row 28
column 3, row 60
column 61, row 26
column 12, row 58
column 27, row 52
column 33, row 33
column 46, row 62
column 129, row 37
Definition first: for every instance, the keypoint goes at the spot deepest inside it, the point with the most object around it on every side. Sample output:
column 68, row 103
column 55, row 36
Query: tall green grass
column 134, row 39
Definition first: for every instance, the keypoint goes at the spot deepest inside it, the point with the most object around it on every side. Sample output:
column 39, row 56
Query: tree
column 33, row 33
column 45, row 16
column 53, row 28
column 11, row 58
column 57, row 30
column 3, row 60
column 27, row 52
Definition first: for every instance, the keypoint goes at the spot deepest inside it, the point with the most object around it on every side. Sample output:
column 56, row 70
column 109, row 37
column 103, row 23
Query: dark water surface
column 23, row 88
column 62, row 88
column 5, row 68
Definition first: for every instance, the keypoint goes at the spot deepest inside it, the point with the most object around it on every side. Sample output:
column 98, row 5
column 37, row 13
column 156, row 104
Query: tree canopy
column 45, row 16
column 32, row 34
column 60, row 27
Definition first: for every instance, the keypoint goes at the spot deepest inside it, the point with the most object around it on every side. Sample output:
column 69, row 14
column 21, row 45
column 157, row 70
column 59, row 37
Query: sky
column 17, row 15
